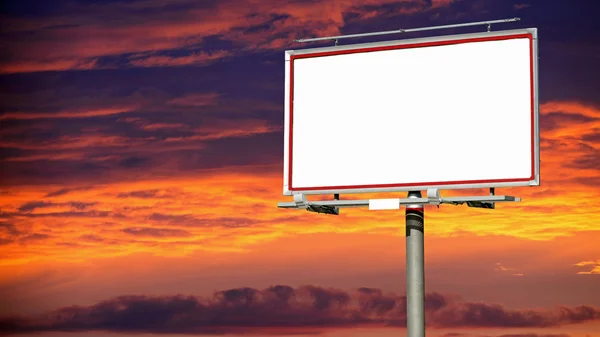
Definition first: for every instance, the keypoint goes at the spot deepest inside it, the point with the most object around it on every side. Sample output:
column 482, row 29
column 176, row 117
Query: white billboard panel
column 448, row 112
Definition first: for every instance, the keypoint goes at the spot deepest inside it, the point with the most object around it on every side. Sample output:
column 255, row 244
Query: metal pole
column 415, row 265
column 409, row 30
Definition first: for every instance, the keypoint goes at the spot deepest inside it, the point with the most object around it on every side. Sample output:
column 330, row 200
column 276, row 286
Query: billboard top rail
column 409, row 30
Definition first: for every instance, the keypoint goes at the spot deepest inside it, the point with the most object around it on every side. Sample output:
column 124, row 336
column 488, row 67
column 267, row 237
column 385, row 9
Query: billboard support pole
column 415, row 267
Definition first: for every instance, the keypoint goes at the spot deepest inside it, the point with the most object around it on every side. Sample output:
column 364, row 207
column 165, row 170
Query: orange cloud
column 573, row 109
column 240, row 201
column 228, row 128
column 160, row 126
column 38, row 157
column 196, row 99
column 87, row 141
column 144, row 124
column 500, row 267
column 26, row 66
column 595, row 265
column 67, row 114
column 199, row 58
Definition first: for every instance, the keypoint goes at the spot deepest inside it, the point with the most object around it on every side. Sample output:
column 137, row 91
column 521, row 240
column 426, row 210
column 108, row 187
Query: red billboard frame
column 407, row 46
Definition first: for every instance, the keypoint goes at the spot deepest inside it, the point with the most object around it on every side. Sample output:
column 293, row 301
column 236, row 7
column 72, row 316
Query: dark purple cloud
column 588, row 181
column 9, row 228
column 34, row 237
column 92, row 238
column 285, row 307
column 593, row 136
column 8, row 233
column 68, row 214
column 64, row 191
column 33, row 205
column 557, row 120
column 150, row 194
column 589, row 161
column 81, row 206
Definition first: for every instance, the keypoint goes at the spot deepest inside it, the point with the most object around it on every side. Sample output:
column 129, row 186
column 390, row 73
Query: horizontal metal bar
column 405, row 201
column 489, row 198
column 409, row 30
column 336, row 203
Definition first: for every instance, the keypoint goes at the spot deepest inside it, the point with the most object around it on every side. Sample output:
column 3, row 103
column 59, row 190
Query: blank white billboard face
column 454, row 113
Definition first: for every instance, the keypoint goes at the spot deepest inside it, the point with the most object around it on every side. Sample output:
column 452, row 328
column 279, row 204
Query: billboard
column 447, row 112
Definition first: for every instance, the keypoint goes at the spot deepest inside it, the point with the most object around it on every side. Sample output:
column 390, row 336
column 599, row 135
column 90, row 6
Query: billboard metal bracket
column 300, row 201
column 433, row 198
column 433, row 195
column 410, row 30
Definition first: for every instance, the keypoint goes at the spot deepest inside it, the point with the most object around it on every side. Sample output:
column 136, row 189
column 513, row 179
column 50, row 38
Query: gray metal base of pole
column 415, row 265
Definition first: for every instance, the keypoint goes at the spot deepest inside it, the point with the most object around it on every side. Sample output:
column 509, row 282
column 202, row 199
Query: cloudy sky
column 142, row 148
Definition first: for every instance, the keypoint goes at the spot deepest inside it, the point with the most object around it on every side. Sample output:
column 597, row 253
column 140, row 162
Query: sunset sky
column 142, row 156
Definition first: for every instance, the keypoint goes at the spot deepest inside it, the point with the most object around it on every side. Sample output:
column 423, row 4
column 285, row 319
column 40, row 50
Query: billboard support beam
column 415, row 267
column 410, row 30
column 433, row 198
